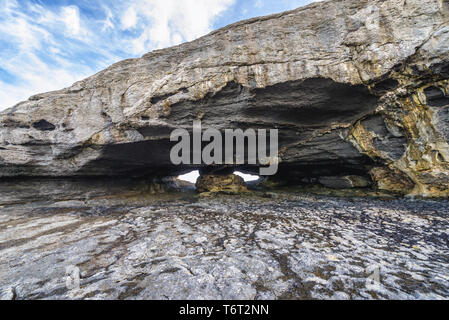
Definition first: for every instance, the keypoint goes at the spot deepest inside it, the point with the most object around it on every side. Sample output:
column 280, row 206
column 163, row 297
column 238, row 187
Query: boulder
column 392, row 181
column 227, row 184
column 346, row 182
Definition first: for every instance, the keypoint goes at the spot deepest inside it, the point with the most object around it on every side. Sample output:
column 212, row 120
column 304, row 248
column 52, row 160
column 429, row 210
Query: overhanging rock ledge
column 356, row 89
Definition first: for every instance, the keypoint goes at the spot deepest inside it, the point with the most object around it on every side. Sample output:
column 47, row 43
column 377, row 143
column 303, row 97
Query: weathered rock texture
column 356, row 88
column 229, row 184
column 292, row 247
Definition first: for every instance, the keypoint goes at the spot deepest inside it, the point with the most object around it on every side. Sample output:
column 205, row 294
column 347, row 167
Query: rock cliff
column 356, row 88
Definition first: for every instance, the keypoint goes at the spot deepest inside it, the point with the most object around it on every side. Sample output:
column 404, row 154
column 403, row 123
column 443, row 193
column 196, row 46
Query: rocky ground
column 359, row 91
column 278, row 245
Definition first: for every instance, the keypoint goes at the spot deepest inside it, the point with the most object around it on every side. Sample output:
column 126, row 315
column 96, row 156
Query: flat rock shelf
column 277, row 245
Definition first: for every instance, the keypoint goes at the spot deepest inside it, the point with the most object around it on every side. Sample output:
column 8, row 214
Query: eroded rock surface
column 229, row 184
column 178, row 246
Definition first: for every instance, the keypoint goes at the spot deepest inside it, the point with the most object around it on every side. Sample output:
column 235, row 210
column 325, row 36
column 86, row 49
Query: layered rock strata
column 356, row 88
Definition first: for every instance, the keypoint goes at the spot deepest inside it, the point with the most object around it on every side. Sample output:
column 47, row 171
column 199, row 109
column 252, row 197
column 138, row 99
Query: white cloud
column 70, row 16
column 169, row 22
column 32, row 41
column 67, row 18
column 27, row 36
column 35, row 76
column 129, row 19
column 107, row 23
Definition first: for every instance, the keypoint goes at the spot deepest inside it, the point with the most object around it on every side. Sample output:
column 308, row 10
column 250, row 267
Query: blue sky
column 49, row 44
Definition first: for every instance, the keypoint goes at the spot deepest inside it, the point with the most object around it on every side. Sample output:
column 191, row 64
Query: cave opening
column 247, row 177
column 313, row 118
column 193, row 176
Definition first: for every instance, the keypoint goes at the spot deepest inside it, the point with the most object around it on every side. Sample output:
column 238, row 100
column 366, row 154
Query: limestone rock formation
column 229, row 184
column 346, row 182
column 355, row 87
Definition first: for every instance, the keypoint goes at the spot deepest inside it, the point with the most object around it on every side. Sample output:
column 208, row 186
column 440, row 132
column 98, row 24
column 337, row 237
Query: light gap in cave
column 193, row 176
column 190, row 177
column 247, row 177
